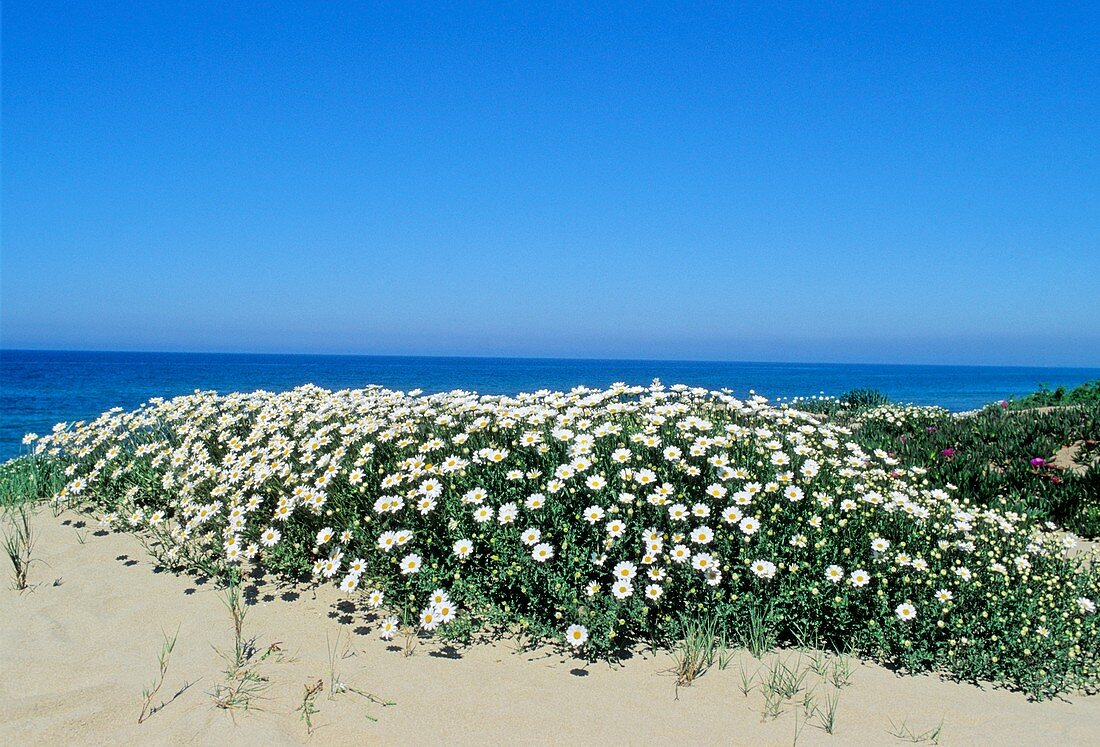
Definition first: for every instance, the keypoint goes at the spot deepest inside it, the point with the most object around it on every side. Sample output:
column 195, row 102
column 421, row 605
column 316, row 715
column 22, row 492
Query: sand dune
column 77, row 650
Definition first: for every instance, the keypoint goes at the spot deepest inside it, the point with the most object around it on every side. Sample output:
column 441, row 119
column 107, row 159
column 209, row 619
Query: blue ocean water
column 40, row 388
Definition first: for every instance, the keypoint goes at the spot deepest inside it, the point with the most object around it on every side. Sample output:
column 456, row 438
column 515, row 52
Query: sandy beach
column 78, row 648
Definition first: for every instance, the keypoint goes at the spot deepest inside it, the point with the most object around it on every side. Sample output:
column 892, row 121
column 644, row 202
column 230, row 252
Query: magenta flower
column 948, row 452
column 1038, row 462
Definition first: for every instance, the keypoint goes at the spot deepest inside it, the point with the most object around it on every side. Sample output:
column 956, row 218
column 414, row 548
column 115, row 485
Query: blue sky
column 886, row 182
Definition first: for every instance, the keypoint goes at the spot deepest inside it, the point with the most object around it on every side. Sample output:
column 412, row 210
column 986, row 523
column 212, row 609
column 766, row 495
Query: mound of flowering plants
column 596, row 518
column 998, row 456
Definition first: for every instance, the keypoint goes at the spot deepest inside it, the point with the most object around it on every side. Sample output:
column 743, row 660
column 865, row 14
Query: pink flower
column 948, row 452
column 1038, row 462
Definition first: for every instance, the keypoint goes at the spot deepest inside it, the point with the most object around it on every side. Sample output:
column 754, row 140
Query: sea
column 39, row 388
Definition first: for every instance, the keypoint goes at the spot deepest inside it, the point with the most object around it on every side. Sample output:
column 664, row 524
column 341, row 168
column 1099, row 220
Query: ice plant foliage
column 998, row 457
column 596, row 517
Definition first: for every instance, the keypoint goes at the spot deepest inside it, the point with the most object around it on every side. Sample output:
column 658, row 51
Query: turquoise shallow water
column 40, row 388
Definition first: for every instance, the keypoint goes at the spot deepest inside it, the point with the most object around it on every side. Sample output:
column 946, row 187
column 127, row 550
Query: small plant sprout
column 905, row 733
column 520, row 639
column 308, row 707
column 746, row 685
column 243, row 684
column 337, row 684
column 841, row 674
column 826, row 713
column 786, row 680
column 725, row 656
column 773, row 703
column 411, row 634
column 819, row 662
column 149, row 693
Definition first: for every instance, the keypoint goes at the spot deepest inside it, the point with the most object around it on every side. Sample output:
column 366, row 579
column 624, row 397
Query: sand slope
column 76, row 655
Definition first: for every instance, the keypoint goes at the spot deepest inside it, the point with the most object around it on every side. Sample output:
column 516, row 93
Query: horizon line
column 4, row 350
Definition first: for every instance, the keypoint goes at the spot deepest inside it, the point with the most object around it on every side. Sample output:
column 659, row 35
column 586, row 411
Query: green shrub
column 1087, row 393
column 863, row 398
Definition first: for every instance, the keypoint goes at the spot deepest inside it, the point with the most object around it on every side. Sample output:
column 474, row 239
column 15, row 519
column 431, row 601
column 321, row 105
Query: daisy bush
column 597, row 518
column 899, row 420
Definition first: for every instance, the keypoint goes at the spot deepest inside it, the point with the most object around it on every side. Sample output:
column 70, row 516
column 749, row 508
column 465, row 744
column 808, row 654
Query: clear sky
column 866, row 182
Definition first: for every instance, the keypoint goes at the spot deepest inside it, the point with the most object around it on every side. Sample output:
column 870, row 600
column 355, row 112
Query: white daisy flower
column 542, row 552
column 576, row 635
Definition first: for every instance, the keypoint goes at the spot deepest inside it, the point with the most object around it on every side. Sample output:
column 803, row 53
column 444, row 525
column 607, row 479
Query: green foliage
column 1087, row 393
column 989, row 456
column 847, row 404
column 28, row 478
column 863, row 398
column 819, row 405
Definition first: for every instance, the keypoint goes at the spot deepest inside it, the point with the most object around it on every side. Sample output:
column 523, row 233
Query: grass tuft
column 696, row 651
column 19, row 544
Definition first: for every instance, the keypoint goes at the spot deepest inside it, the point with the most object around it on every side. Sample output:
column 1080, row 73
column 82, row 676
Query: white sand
column 76, row 655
